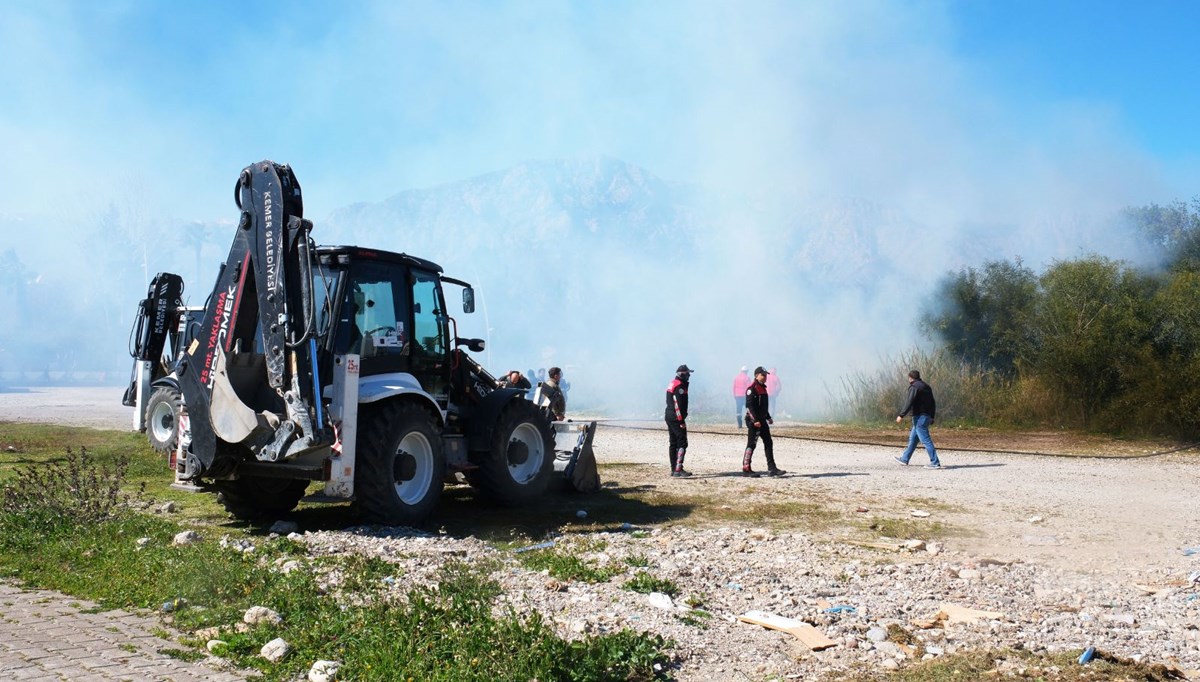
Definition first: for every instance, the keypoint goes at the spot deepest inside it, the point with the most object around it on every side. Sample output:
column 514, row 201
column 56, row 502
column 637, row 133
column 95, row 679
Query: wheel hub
column 406, row 467
column 518, row 452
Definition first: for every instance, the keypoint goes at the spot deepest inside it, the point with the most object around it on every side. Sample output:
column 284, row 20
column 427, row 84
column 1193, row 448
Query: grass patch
column 187, row 655
column 637, row 561
column 566, row 566
column 909, row 529
column 646, row 583
column 449, row 629
column 696, row 618
column 1018, row 665
column 931, row 504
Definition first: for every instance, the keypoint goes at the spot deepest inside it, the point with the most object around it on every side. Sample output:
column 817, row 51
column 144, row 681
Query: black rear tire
column 162, row 423
column 401, row 466
column 520, row 463
column 254, row 498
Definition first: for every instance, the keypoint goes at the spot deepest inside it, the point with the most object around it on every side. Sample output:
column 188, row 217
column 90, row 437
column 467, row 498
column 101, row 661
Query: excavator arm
column 249, row 379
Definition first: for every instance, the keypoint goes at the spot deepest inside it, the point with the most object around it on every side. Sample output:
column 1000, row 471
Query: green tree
column 1091, row 328
column 982, row 316
column 1175, row 228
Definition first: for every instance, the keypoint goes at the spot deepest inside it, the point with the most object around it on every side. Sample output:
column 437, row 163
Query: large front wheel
column 401, row 466
column 521, row 460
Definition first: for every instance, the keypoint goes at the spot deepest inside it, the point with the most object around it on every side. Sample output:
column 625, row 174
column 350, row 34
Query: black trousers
column 752, row 434
column 678, row 439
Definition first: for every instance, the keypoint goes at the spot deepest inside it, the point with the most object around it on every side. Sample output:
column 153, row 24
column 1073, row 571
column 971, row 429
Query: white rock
column 969, row 574
column 324, row 671
column 261, row 614
column 167, row 508
column 187, row 537
column 934, row 548
column 275, row 650
column 660, row 601
column 919, row 514
column 1034, row 519
column 914, row 545
column 142, row 542
column 890, row 664
column 877, row 634
column 284, row 527
column 213, row 644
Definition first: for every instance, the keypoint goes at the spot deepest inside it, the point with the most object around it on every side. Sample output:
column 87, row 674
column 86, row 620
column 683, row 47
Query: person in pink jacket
column 774, row 388
column 741, row 381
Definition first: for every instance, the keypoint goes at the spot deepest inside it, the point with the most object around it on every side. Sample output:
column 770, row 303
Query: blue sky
column 948, row 110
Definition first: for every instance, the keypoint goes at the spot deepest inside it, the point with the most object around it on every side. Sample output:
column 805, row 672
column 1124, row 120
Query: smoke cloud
column 630, row 185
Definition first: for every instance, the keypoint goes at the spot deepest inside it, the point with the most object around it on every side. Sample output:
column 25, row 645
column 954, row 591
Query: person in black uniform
column 758, row 421
column 676, row 418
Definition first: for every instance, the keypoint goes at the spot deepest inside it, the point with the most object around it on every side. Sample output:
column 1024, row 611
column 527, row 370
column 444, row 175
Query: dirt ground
column 1117, row 508
column 1114, row 506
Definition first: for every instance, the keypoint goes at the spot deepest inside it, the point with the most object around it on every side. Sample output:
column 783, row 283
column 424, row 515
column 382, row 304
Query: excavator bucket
column 578, row 464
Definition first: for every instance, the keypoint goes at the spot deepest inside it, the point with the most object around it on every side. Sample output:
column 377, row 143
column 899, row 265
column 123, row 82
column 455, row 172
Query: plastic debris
column 734, row 586
column 1087, row 655
column 541, row 545
column 581, row 514
column 1191, row 551
column 841, row 608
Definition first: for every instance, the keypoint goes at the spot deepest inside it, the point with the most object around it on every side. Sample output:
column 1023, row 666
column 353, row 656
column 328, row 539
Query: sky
column 1007, row 112
column 892, row 100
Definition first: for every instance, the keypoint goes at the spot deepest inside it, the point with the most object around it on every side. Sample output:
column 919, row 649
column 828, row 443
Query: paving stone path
column 50, row 637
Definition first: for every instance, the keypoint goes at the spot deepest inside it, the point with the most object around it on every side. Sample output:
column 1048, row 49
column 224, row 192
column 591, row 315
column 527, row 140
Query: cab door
column 430, row 357
column 375, row 318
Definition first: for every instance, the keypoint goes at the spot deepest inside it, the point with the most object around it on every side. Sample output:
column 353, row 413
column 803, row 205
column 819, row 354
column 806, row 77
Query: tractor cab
column 390, row 310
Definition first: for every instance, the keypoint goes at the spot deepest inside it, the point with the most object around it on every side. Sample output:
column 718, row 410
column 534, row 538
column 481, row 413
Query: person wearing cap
column 676, row 418
column 923, row 407
column 741, row 381
column 758, row 421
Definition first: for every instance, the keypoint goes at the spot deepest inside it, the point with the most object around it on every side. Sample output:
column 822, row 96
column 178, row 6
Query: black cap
column 683, row 368
column 759, row 370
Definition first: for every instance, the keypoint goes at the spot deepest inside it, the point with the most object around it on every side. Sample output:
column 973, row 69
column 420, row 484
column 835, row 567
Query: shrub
column 75, row 490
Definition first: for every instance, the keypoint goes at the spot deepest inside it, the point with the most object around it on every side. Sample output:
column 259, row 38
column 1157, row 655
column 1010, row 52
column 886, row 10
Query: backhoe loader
column 342, row 364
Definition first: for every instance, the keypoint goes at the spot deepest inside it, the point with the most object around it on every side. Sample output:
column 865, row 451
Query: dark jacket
column 677, row 401
column 757, row 403
column 920, row 400
column 554, row 399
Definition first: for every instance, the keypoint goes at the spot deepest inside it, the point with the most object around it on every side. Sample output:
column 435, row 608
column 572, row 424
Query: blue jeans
column 920, row 432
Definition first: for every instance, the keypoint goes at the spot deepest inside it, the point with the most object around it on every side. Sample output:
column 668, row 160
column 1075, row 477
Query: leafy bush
column 75, row 490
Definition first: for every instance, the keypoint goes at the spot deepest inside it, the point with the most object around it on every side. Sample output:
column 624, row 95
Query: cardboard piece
column 953, row 613
column 811, row 637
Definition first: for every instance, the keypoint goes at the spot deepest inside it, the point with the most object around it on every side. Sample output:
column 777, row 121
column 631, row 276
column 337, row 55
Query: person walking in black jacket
column 758, row 421
column 676, row 418
column 923, row 407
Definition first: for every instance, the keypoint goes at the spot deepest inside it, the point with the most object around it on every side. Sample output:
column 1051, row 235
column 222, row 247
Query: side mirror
column 473, row 345
column 469, row 301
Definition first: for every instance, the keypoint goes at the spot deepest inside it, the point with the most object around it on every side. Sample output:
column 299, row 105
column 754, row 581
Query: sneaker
column 776, row 472
column 933, row 466
column 748, row 473
column 680, row 473
column 902, row 462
